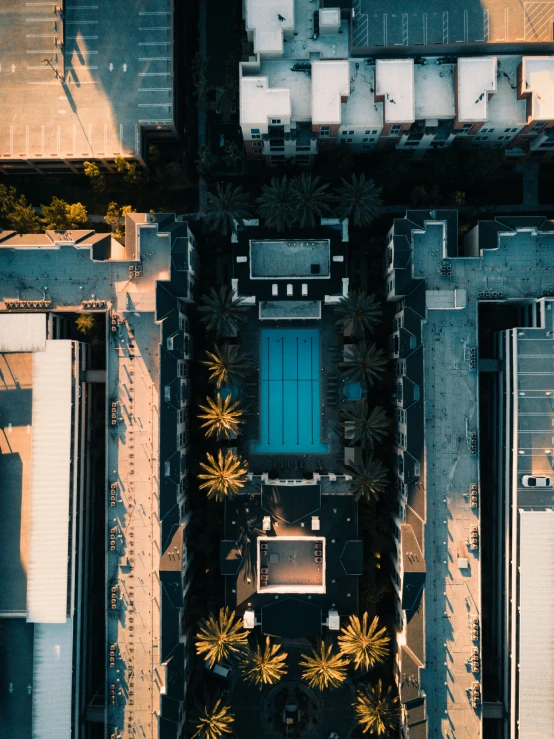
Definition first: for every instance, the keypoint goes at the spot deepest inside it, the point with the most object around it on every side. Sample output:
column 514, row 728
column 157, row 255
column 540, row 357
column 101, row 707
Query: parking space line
column 385, row 40
column 157, row 12
column 81, row 23
column 425, row 29
column 78, row 69
column 155, row 28
column 44, row 67
column 81, row 38
column 81, row 51
column 445, row 26
column 466, row 26
column 154, row 43
column 153, row 74
column 154, row 89
column 155, row 105
column 55, row 82
column 38, row 20
column 153, row 58
column 42, row 51
column 41, row 35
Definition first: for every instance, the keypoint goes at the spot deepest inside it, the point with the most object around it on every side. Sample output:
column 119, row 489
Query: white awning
column 51, row 452
column 52, row 680
column 24, row 332
column 536, row 625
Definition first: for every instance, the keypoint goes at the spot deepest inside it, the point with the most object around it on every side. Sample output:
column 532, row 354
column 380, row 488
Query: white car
column 534, row 481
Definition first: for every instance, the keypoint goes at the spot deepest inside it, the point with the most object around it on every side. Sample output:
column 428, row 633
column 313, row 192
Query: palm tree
column 363, row 426
column 223, row 476
column 264, row 666
column 312, row 200
column 228, row 204
column 377, row 710
column 359, row 312
column 278, row 203
column 214, row 721
column 228, row 366
column 365, row 363
column 222, row 311
column 323, row 668
column 222, row 417
column 217, row 639
column 368, row 478
column 363, row 643
column 358, row 200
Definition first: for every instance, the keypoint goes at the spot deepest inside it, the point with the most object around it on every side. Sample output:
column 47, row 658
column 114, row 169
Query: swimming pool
column 290, row 404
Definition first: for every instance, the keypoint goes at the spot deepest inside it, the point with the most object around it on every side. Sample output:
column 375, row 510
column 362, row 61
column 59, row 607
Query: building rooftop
column 259, row 102
column 362, row 108
column 538, row 79
column 268, row 20
column 536, row 629
column 434, row 90
column 291, row 564
column 394, row 82
column 281, row 75
column 103, row 79
column 330, row 83
column 504, row 109
column 476, row 79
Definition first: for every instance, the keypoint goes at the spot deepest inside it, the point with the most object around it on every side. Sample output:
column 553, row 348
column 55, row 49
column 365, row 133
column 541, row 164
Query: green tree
column 377, row 709
column 362, row 425
column 92, row 171
column 132, row 175
column 199, row 70
column 358, row 200
column 229, row 365
column 115, row 217
column 61, row 216
column 221, row 417
column 219, row 638
column 363, row 642
column 231, row 154
column 323, row 668
column 228, row 204
column 214, row 721
column 221, row 311
column 223, row 476
column 204, row 161
column 263, row 665
column 369, row 478
column 365, row 363
column 278, row 203
column 312, row 199
column 359, row 313
column 85, row 323
column 16, row 213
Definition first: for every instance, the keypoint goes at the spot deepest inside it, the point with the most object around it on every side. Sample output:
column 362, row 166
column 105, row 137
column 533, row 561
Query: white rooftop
column 434, row 90
column 504, row 109
column 281, row 76
column 330, row 82
column 51, row 453
column 24, row 332
column 329, row 17
column 476, row 78
column 263, row 18
column 394, row 80
column 538, row 78
column 258, row 101
column 536, row 626
column 362, row 110
column 52, row 680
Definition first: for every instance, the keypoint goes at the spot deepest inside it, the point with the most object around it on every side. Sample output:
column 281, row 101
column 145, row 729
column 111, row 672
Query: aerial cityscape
column 277, row 369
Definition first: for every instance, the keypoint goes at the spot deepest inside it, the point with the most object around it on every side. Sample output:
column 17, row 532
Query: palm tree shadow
column 246, row 540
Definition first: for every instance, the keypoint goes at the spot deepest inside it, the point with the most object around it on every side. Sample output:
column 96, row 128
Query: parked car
column 534, row 481
column 10, row 687
column 29, row 689
column 333, row 735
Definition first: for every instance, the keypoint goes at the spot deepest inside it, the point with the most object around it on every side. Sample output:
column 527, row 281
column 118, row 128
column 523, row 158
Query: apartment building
column 303, row 92
column 465, row 514
column 135, row 675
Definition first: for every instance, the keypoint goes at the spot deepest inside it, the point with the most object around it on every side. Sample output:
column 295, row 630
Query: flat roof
column 394, row 81
column 52, row 680
column 434, row 90
column 536, row 627
column 117, row 74
column 23, row 332
column 538, row 78
column 51, row 482
column 291, row 564
column 16, row 393
column 287, row 258
column 259, row 102
column 330, row 82
column 264, row 20
column 476, row 79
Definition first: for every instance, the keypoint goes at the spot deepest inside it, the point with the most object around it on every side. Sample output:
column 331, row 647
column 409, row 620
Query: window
column 350, row 133
column 364, row 141
column 183, row 323
column 257, row 146
column 538, row 126
column 254, row 130
column 302, row 148
column 395, row 130
column 344, row 133
column 366, row 147
column 510, row 130
column 368, row 133
column 256, row 136
column 275, row 121
column 325, row 130
column 487, row 130
column 467, row 127
column 348, row 141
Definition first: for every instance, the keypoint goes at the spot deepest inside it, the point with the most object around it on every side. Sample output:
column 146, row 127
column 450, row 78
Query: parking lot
column 397, row 23
column 77, row 85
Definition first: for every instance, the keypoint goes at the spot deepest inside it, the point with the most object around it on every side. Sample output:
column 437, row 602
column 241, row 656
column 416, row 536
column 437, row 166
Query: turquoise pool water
column 290, row 403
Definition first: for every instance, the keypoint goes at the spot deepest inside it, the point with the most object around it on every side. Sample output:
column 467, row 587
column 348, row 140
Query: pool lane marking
column 297, row 391
column 268, row 392
column 283, row 390
column 312, row 382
